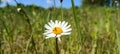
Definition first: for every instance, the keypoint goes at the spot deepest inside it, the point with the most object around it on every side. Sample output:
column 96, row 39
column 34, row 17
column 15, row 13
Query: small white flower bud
column 18, row 9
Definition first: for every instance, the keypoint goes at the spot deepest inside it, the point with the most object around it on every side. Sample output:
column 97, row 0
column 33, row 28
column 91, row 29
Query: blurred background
column 95, row 26
column 67, row 3
column 41, row 3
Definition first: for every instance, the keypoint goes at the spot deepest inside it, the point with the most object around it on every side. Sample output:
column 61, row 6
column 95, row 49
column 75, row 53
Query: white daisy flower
column 57, row 29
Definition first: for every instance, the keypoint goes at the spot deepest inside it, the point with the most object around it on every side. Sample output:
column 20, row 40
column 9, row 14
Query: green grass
column 99, row 29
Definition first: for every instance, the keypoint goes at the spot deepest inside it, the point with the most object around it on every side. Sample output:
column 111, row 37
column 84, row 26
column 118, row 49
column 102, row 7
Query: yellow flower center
column 57, row 30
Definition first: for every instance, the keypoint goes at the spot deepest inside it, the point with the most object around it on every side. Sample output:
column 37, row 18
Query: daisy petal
column 47, row 30
column 62, row 24
column 48, row 37
column 59, row 23
column 65, row 24
column 52, row 23
column 47, row 27
column 59, row 39
column 68, row 33
column 58, row 35
column 56, row 22
column 47, row 33
column 67, row 30
column 67, row 27
column 51, row 35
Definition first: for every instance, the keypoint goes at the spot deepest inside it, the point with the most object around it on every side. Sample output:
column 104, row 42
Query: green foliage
column 99, row 28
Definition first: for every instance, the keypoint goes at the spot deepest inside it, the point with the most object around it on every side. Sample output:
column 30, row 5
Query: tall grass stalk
column 61, row 11
column 54, row 13
column 8, row 40
column 77, row 23
column 116, row 32
column 31, row 32
column 118, row 39
column 31, row 39
column 95, row 37
column 1, row 40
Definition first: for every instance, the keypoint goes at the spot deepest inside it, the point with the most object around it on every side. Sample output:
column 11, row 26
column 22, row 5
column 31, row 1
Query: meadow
column 95, row 30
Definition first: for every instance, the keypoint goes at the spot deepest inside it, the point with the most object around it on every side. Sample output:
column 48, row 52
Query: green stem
column 6, row 36
column 116, row 32
column 118, row 43
column 77, row 24
column 61, row 12
column 31, row 39
column 31, row 32
column 57, row 48
column 76, row 20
